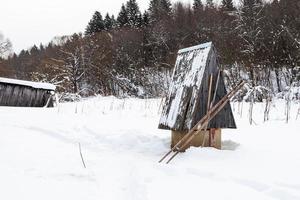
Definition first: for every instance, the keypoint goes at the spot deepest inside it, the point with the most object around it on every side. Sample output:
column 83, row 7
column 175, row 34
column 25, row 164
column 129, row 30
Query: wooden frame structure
column 197, row 85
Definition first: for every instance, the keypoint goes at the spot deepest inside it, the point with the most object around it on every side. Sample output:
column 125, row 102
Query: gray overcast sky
column 28, row 22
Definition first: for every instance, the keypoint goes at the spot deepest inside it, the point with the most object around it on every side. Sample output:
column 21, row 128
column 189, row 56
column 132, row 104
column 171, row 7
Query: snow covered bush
column 69, row 97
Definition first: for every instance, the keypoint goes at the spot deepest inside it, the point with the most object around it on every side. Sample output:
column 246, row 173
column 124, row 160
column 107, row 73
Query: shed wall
column 23, row 96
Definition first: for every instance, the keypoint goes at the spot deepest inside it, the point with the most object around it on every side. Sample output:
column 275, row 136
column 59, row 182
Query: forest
column 133, row 53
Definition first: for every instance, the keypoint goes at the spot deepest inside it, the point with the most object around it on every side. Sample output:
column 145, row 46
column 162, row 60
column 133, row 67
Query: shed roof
column 37, row 85
column 186, row 103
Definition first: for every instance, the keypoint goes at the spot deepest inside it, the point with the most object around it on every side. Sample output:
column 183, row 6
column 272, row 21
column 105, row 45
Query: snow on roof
column 186, row 103
column 189, row 70
column 201, row 46
column 37, row 85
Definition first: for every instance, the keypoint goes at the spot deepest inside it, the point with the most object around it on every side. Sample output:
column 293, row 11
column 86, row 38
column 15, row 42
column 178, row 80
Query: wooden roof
column 186, row 103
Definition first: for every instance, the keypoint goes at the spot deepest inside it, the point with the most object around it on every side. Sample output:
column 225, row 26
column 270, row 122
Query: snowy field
column 121, row 146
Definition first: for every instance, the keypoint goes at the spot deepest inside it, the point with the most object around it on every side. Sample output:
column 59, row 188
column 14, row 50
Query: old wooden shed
column 187, row 101
column 21, row 93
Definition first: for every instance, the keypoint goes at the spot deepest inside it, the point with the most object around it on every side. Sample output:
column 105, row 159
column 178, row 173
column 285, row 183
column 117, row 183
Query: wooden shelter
column 188, row 97
column 21, row 93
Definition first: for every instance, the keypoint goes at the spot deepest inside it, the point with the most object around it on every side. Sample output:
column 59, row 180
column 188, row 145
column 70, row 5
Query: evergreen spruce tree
column 166, row 6
column 197, row 5
column 108, row 22
column 95, row 25
column 42, row 49
column 114, row 21
column 227, row 5
column 209, row 3
column 140, row 20
column 122, row 19
column 146, row 19
column 34, row 50
column 159, row 9
column 133, row 13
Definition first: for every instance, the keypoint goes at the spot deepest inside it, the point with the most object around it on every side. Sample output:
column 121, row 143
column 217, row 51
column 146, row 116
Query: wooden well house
column 196, row 83
column 21, row 93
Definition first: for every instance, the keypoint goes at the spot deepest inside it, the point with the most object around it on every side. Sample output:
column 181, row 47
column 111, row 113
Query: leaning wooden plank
column 198, row 125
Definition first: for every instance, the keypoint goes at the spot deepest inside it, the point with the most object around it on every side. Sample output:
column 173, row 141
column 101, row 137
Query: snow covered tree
column 183, row 25
column 209, row 3
column 159, row 37
column 227, row 42
column 249, row 30
column 290, row 25
column 197, row 5
column 5, row 46
column 122, row 19
column 159, row 10
column 69, row 64
column 109, row 22
column 227, row 5
column 99, row 62
column 133, row 14
column 145, row 20
column 95, row 25
column 281, row 36
column 34, row 50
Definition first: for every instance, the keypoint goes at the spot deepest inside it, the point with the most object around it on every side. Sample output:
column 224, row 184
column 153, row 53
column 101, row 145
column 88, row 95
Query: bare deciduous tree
column 5, row 46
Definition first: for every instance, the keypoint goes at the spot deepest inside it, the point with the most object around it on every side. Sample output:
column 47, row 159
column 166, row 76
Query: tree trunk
column 278, row 79
column 75, row 87
column 252, row 74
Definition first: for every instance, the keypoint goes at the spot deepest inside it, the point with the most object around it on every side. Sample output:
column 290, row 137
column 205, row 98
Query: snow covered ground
column 121, row 146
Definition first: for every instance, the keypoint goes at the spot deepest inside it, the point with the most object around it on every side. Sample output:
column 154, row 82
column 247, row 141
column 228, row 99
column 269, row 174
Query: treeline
column 134, row 52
